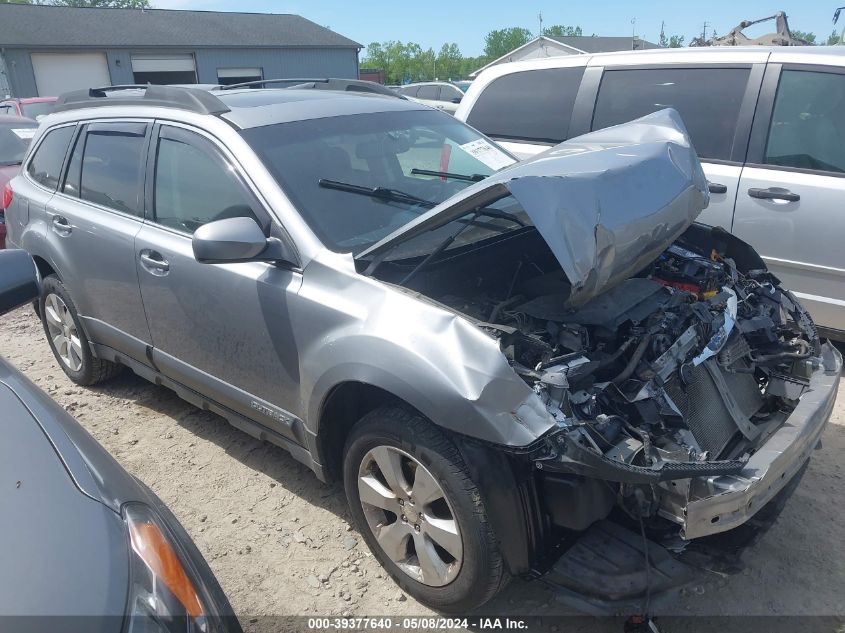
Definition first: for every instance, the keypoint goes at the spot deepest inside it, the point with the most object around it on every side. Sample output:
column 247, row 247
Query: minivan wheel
column 421, row 515
column 67, row 338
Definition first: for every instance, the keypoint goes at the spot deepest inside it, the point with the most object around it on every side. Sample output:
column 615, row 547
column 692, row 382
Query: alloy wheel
column 410, row 516
column 63, row 332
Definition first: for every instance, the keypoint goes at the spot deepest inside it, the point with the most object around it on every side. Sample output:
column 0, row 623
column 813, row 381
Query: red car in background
column 30, row 107
column 15, row 134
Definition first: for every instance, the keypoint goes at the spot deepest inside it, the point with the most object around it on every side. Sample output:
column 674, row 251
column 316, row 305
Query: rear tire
column 461, row 567
column 66, row 337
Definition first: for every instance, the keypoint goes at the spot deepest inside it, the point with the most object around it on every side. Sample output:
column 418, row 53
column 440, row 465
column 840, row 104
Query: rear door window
column 112, row 165
column 46, row 164
column 808, row 122
column 534, row 105
column 708, row 100
column 429, row 92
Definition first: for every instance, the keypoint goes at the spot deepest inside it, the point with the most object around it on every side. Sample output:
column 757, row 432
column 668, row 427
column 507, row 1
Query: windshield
column 38, row 109
column 463, row 85
column 14, row 139
column 356, row 179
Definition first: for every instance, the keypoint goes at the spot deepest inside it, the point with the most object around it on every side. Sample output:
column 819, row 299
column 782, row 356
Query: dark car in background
column 30, row 107
column 87, row 546
column 15, row 134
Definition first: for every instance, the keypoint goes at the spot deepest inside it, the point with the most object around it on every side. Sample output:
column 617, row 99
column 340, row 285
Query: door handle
column 61, row 225
column 717, row 187
column 774, row 193
column 154, row 262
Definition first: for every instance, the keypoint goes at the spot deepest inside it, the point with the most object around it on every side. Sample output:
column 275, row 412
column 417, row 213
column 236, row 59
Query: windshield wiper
column 380, row 193
column 449, row 174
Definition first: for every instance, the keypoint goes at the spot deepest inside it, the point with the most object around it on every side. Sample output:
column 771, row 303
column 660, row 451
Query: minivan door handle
column 774, row 193
column 154, row 262
column 717, row 187
column 62, row 226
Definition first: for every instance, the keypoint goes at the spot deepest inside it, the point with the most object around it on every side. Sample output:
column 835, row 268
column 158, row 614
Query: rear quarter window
column 534, row 105
column 45, row 166
column 708, row 100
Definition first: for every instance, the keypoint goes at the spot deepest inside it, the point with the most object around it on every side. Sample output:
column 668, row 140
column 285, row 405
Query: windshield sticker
column 488, row 154
column 25, row 133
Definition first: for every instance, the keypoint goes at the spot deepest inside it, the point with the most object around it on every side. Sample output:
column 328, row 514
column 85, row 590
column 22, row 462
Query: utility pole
column 704, row 32
column 633, row 31
column 540, row 17
column 662, row 32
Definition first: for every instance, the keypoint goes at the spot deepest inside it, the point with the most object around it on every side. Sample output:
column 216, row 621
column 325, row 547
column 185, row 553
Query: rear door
column 222, row 330
column 716, row 103
column 93, row 220
column 790, row 203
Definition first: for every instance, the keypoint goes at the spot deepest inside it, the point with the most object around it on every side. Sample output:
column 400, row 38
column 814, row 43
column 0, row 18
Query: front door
column 789, row 205
column 222, row 330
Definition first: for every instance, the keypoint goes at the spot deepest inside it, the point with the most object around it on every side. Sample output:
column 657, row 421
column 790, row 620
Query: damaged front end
column 687, row 386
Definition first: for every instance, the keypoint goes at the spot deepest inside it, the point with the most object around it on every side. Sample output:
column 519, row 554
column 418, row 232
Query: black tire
column 92, row 370
column 482, row 572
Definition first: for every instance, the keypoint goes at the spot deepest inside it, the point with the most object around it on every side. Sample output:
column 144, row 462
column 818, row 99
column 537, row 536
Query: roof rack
column 261, row 82
column 192, row 99
column 323, row 83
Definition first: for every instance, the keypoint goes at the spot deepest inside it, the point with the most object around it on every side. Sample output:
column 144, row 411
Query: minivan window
column 534, row 105
column 708, row 100
column 194, row 184
column 808, row 122
column 112, row 165
column 429, row 92
column 46, row 165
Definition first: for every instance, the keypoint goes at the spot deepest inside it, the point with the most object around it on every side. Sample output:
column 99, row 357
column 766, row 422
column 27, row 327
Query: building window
column 231, row 76
column 164, row 69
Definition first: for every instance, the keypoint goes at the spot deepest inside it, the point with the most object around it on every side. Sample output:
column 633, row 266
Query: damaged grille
column 708, row 412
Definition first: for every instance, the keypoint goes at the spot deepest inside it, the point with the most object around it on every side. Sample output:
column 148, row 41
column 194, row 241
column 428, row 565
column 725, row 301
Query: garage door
column 164, row 69
column 56, row 73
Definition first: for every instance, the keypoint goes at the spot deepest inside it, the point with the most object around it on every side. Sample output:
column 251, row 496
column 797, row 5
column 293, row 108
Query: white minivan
column 767, row 123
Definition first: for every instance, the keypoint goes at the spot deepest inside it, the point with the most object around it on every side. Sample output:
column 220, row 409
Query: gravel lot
column 280, row 543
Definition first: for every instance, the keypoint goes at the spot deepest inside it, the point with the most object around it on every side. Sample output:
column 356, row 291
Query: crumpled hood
column 607, row 203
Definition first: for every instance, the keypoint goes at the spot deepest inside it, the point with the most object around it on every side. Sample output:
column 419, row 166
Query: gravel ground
column 280, row 541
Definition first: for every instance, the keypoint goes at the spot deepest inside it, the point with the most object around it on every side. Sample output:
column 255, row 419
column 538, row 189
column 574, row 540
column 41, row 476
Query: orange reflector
column 152, row 546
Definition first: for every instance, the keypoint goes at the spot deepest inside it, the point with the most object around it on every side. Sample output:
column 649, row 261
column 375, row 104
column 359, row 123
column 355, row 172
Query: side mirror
column 18, row 280
column 236, row 240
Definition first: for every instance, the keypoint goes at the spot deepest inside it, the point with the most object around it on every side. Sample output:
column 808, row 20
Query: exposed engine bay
column 679, row 372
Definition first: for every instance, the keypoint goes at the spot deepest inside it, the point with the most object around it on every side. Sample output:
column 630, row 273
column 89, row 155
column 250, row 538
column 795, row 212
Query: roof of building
column 24, row 25
column 601, row 44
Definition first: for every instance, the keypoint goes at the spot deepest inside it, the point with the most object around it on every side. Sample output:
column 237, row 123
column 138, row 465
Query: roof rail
column 192, row 99
column 261, row 82
column 324, row 83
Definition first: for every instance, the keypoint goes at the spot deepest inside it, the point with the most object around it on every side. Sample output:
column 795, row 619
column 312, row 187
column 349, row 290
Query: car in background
column 767, row 123
column 30, row 107
column 90, row 548
column 463, row 84
column 443, row 95
column 15, row 134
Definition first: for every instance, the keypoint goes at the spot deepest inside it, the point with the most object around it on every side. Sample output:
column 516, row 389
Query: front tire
column 67, row 338
column 421, row 515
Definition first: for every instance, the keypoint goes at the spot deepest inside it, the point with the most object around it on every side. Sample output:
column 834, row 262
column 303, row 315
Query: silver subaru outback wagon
column 545, row 367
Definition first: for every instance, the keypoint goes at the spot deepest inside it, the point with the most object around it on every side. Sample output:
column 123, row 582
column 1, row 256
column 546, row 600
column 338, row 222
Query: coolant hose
column 636, row 357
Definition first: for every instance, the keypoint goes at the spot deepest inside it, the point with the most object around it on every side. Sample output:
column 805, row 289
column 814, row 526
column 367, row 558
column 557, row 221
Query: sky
column 430, row 23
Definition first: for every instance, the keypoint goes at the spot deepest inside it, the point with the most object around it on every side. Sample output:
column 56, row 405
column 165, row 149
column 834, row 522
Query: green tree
column 807, row 36
column 676, row 41
column 559, row 30
column 833, row 38
column 503, row 41
column 449, row 61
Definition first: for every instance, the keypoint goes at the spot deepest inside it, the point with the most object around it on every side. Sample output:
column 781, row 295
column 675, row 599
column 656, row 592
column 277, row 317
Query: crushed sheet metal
column 718, row 340
column 607, row 203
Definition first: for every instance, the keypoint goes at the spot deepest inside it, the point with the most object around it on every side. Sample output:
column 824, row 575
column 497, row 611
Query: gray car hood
column 607, row 203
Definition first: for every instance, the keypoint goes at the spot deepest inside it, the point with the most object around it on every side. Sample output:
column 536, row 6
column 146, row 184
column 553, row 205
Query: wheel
column 420, row 513
column 67, row 338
